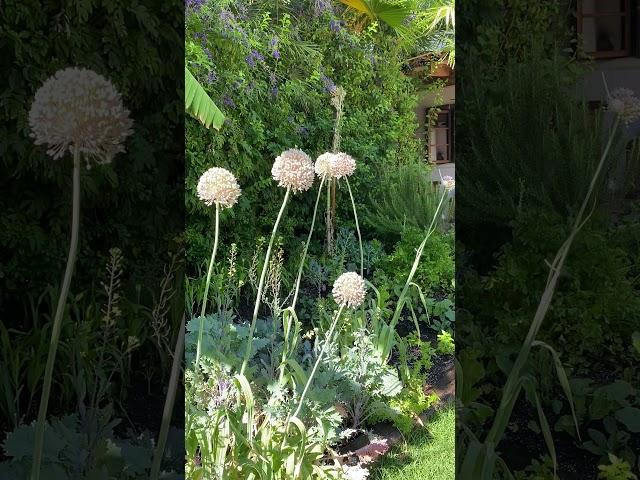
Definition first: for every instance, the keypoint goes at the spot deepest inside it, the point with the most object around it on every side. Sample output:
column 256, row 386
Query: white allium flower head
column 624, row 102
column 293, row 169
column 218, row 185
column 349, row 290
column 79, row 108
column 343, row 165
column 323, row 165
column 448, row 183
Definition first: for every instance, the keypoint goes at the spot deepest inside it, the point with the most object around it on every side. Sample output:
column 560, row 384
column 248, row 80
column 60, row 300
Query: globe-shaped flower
column 448, row 183
column 220, row 186
column 78, row 108
column 293, row 169
column 624, row 102
column 343, row 165
column 323, row 166
column 349, row 290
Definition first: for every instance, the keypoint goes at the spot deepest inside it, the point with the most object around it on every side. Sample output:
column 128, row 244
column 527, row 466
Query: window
column 441, row 136
column 605, row 27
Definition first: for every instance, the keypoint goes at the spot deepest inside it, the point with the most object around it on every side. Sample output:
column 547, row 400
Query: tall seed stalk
column 263, row 274
column 337, row 100
column 57, row 321
column 206, row 286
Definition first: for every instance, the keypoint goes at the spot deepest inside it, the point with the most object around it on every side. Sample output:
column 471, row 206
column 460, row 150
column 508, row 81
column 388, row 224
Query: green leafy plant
column 406, row 200
column 83, row 445
column 445, row 344
column 617, row 470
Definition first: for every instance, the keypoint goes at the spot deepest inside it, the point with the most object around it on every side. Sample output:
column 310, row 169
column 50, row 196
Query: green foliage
column 363, row 379
column 496, row 32
column 436, row 270
column 595, row 282
column 84, row 446
column 617, row 470
column 275, row 103
column 608, row 414
column 538, row 470
column 445, row 344
column 549, row 146
column 415, row 360
column 406, row 199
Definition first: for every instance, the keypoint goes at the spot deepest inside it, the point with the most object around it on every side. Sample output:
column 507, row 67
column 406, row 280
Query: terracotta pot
column 440, row 70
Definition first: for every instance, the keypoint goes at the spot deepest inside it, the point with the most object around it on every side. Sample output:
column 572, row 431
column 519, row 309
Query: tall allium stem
column 511, row 388
column 168, row 404
column 306, row 246
column 263, row 274
column 206, row 286
column 325, row 346
column 414, row 267
column 355, row 216
column 57, row 321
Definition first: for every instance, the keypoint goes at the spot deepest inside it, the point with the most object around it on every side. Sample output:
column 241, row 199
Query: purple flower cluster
column 228, row 19
column 329, row 86
column 212, row 76
column 254, row 58
column 194, row 4
column 273, row 45
column 335, row 25
column 230, row 26
column 227, row 101
column 322, row 6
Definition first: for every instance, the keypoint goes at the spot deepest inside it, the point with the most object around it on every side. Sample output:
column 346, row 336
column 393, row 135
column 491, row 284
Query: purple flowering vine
column 329, row 86
column 254, row 58
column 194, row 5
column 227, row 101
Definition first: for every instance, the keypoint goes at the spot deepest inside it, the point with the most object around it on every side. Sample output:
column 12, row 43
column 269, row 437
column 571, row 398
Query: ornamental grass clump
column 293, row 170
column 217, row 186
column 78, row 111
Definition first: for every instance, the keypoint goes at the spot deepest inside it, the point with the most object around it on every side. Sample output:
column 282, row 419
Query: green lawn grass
column 427, row 454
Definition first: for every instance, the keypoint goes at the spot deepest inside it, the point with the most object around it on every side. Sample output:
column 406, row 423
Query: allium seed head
column 335, row 165
column 349, row 290
column 343, row 165
column 293, row 169
column 624, row 102
column 448, row 183
column 218, row 185
column 323, row 165
column 78, row 108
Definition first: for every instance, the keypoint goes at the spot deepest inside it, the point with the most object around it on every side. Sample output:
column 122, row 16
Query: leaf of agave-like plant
column 546, row 432
column 564, row 380
column 199, row 104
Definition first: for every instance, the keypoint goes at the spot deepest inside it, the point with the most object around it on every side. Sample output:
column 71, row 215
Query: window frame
column 626, row 14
